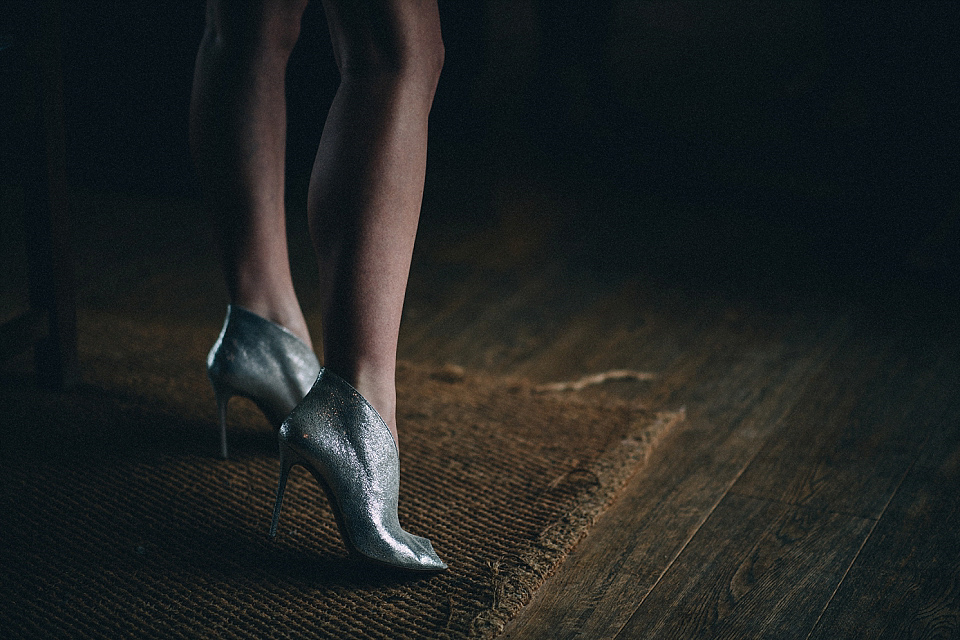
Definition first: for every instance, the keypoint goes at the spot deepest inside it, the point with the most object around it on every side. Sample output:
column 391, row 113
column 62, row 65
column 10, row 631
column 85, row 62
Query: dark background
column 775, row 137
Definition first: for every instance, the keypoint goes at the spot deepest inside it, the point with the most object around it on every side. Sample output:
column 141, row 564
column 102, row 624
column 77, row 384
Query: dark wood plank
column 906, row 581
column 735, row 397
column 848, row 443
column 755, row 569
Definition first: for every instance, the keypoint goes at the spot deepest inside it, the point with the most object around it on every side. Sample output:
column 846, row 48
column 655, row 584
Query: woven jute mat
column 119, row 521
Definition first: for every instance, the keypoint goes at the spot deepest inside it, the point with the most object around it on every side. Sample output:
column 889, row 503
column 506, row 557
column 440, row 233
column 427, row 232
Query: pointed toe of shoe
column 432, row 562
column 428, row 558
column 424, row 558
column 402, row 550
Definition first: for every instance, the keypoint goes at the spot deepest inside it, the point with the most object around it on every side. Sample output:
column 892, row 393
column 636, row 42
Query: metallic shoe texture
column 262, row 361
column 338, row 436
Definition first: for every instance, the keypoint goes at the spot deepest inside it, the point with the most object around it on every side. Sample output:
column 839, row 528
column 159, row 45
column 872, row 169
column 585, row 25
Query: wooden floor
column 812, row 491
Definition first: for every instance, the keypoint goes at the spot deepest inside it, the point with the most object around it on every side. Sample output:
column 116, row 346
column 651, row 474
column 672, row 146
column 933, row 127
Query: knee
column 422, row 63
column 430, row 60
column 284, row 26
column 265, row 26
column 408, row 51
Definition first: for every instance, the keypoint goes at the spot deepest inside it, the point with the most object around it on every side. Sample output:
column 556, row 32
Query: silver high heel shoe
column 262, row 361
column 340, row 438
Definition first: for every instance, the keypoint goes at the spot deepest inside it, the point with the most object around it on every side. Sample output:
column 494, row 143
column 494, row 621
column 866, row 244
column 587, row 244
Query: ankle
column 294, row 322
column 288, row 316
column 384, row 400
column 379, row 389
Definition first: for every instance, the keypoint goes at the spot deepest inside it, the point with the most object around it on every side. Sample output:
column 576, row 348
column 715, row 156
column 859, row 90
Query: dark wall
column 813, row 128
column 834, row 121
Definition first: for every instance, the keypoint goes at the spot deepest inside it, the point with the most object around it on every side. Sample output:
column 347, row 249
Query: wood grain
column 595, row 592
column 906, row 581
column 755, row 569
column 848, row 442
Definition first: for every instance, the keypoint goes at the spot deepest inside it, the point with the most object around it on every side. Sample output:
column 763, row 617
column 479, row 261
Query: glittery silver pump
column 342, row 440
column 262, row 361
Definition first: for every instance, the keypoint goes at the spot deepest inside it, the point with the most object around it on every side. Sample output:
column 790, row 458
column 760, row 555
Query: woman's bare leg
column 238, row 137
column 367, row 183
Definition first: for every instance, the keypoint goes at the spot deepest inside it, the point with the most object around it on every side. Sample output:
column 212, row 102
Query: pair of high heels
column 327, row 427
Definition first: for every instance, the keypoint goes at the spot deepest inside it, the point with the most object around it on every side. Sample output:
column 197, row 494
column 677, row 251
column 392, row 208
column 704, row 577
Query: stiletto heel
column 222, row 401
column 287, row 459
column 262, row 361
column 341, row 439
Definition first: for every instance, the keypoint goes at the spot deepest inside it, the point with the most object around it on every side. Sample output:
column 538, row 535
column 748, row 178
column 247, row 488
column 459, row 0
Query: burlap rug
column 119, row 521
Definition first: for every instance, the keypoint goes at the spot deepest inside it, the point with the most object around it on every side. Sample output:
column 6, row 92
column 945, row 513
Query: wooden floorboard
column 730, row 581
column 830, row 459
column 906, row 580
column 850, row 439
column 737, row 384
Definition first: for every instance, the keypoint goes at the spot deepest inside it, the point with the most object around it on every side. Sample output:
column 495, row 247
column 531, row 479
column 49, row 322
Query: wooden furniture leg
column 50, row 323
